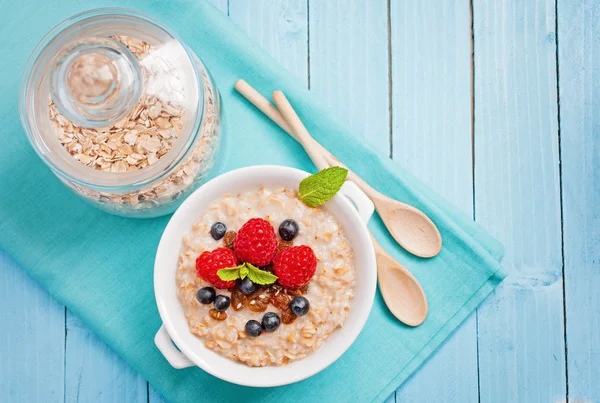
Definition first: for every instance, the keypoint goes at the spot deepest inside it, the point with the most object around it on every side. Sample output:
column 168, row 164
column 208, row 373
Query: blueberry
column 206, row 295
column 253, row 328
column 218, row 230
column 222, row 303
column 299, row 306
column 288, row 230
column 247, row 286
column 270, row 322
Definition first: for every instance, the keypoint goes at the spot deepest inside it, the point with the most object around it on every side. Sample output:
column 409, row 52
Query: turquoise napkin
column 100, row 266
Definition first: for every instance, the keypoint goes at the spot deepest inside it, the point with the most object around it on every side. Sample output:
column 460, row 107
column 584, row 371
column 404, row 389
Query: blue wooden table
column 489, row 102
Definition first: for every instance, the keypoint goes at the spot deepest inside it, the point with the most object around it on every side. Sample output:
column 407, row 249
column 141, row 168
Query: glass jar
column 122, row 111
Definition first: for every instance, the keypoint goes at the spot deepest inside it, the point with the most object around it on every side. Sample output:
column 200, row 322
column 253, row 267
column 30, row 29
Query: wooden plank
column 349, row 66
column 95, row 373
column 31, row 340
column 280, row 27
column 578, row 49
column 431, row 115
column 521, row 339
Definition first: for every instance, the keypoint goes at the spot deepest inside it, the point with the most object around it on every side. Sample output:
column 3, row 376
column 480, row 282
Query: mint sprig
column 318, row 188
column 244, row 270
column 229, row 274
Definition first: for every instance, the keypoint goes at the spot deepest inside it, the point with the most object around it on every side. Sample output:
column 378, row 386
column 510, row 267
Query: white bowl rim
column 194, row 356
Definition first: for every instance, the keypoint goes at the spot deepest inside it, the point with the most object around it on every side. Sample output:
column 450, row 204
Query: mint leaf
column 247, row 270
column 318, row 188
column 243, row 270
column 259, row 276
column 229, row 274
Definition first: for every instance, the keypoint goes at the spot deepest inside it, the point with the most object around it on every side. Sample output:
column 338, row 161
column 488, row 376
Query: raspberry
column 295, row 266
column 256, row 242
column 209, row 263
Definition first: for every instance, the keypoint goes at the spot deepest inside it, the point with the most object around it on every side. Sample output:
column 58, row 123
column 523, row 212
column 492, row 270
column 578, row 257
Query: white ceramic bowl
column 350, row 206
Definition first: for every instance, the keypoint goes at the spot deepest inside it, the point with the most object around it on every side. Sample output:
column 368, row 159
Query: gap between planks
column 560, row 192
column 472, row 64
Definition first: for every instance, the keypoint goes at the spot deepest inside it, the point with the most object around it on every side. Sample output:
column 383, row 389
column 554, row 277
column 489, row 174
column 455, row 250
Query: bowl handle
column 361, row 201
column 167, row 348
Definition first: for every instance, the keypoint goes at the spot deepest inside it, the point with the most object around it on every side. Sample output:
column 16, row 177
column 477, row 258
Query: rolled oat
column 330, row 294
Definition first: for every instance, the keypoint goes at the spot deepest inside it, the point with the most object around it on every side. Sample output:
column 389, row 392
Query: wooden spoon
column 401, row 291
column 412, row 229
column 409, row 226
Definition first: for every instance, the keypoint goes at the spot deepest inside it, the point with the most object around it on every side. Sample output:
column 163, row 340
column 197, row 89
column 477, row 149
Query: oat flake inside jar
column 122, row 111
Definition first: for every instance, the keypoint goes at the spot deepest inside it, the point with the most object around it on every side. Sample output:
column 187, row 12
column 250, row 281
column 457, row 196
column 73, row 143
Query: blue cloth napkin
column 100, row 266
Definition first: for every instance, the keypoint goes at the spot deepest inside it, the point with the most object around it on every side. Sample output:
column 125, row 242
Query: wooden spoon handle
column 266, row 107
column 286, row 118
column 305, row 139
column 301, row 134
column 263, row 105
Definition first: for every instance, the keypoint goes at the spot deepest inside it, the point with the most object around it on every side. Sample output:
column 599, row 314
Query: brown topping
column 238, row 299
column 257, row 306
column 259, row 300
column 284, row 245
column 217, row 315
column 281, row 301
column 287, row 316
column 274, row 289
column 294, row 292
column 228, row 239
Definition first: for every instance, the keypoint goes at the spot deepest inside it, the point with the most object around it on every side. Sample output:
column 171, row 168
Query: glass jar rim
column 107, row 181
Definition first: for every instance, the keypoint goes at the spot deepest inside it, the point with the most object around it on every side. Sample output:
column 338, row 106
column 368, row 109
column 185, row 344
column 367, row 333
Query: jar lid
column 111, row 97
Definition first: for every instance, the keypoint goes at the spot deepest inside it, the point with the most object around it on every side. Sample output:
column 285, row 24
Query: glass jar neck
column 96, row 82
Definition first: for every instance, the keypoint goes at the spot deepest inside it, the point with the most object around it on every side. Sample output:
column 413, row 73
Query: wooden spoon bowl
column 401, row 291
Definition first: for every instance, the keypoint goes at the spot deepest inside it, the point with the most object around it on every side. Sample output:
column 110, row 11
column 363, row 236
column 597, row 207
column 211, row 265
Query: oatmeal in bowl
column 314, row 265
column 254, row 286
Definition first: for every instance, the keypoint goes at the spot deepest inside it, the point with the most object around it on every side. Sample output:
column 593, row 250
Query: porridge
column 273, row 291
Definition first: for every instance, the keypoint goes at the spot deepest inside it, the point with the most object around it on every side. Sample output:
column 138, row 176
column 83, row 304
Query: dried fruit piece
column 288, row 317
column 264, row 297
column 304, row 288
column 283, row 245
column 217, row 315
column 238, row 300
column 228, row 239
column 293, row 292
column 257, row 305
column 274, row 289
column 281, row 301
